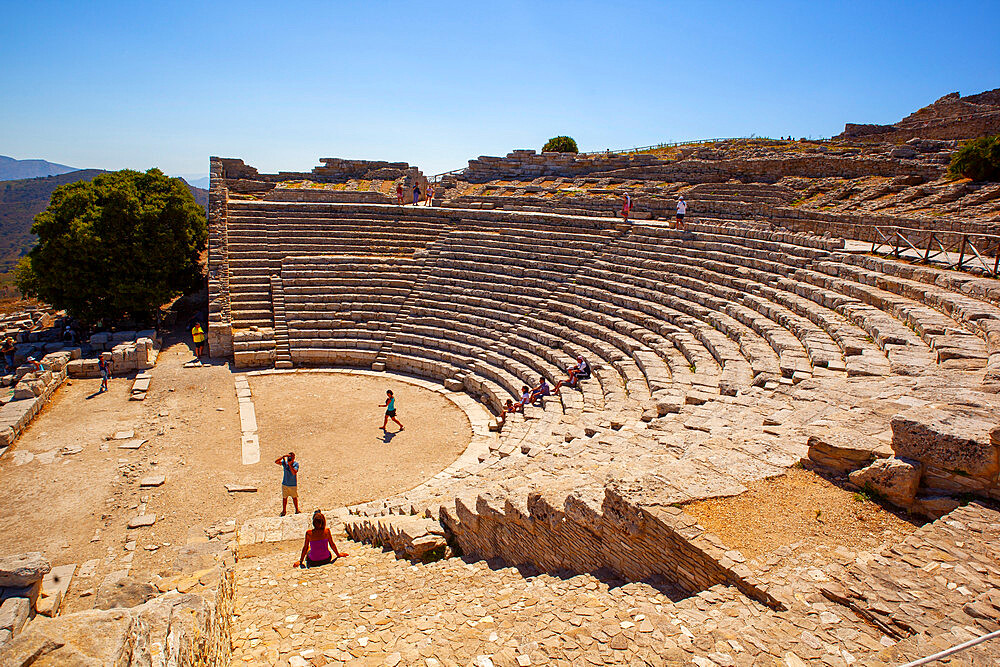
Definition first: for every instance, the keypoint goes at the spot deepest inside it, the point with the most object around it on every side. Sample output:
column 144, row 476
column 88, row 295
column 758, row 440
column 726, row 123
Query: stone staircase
column 283, row 357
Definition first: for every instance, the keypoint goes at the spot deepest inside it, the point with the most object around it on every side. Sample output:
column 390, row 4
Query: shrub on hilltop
column 116, row 247
column 978, row 159
column 560, row 145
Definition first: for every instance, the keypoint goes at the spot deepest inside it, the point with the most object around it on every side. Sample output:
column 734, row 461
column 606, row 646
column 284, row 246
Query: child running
column 390, row 410
column 104, row 366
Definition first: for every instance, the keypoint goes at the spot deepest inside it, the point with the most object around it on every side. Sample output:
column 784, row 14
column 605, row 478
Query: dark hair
column 319, row 521
column 523, row 388
column 291, row 455
column 388, row 392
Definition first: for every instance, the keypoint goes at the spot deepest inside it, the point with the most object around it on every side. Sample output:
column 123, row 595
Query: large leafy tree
column 561, row 144
column 116, row 247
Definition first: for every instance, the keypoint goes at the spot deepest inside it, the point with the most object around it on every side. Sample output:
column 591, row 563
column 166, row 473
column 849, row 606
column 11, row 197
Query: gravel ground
column 799, row 509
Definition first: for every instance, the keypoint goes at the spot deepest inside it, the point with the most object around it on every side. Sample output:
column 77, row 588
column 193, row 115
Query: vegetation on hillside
column 978, row 159
column 560, row 144
column 20, row 202
column 116, row 247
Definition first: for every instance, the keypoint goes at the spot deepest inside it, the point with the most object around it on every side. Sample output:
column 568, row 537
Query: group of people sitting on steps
column 530, row 396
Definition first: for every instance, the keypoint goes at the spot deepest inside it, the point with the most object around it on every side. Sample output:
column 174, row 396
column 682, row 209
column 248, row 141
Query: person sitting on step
column 576, row 373
column 508, row 408
column 319, row 546
column 541, row 391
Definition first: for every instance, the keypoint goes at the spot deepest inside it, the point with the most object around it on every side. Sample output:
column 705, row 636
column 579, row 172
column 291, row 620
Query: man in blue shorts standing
column 289, row 481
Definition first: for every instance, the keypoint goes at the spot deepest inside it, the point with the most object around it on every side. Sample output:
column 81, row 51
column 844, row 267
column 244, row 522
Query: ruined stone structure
column 722, row 355
column 951, row 117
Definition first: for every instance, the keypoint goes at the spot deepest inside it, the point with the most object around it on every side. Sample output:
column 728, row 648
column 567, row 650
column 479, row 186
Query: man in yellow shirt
column 198, row 335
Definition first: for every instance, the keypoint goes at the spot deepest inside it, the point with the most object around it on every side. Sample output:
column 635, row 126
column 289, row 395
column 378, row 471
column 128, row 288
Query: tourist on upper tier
column 289, row 481
column 430, row 194
column 104, row 366
column 682, row 208
column 416, row 194
column 525, row 398
column 543, row 389
column 390, row 410
column 8, row 353
column 319, row 547
column 576, row 373
column 626, row 206
column 198, row 336
column 399, row 193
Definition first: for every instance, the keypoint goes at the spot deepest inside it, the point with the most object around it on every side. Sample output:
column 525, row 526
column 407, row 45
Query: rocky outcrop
column 950, row 117
column 895, row 479
column 843, row 450
column 957, row 451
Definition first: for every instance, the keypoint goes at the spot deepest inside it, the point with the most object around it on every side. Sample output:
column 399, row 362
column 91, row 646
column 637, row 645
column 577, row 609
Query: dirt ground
column 331, row 421
column 799, row 507
column 76, row 507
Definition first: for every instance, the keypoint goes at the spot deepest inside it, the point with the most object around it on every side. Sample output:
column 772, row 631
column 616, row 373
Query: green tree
column 116, row 247
column 560, row 145
column 978, row 159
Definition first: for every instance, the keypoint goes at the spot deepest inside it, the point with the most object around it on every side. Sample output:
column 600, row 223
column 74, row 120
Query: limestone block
column 90, row 637
column 14, row 614
column 99, row 340
column 895, row 479
column 948, row 441
column 54, row 587
column 844, row 450
column 119, row 590
column 23, row 569
column 7, row 436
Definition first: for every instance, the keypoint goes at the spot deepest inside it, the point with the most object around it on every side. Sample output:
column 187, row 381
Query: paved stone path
column 938, row 587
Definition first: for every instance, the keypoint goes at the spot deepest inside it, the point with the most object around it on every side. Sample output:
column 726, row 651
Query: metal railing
column 953, row 650
column 964, row 251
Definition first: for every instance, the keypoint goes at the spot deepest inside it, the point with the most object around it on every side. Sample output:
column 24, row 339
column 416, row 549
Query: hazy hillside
column 11, row 169
column 21, row 200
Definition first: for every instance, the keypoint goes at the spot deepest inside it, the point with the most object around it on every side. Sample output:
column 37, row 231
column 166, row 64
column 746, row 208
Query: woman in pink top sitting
column 318, row 548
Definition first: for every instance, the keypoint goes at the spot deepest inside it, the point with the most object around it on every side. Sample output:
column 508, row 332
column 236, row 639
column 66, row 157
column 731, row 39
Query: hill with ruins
column 783, row 448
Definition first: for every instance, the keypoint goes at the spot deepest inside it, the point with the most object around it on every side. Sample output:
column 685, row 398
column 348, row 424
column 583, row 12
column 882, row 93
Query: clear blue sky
column 280, row 84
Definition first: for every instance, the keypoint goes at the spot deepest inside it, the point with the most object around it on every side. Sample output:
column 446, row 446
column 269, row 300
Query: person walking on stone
column 416, row 194
column 8, row 353
column 319, row 547
column 198, row 336
column 390, row 410
column 289, row 481
column 399, row 194
column 682, row 208
column 104, row 366
column 626, row 206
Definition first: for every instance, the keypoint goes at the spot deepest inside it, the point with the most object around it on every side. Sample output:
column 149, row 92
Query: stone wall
column 658, row 544
column 37, row 390
column 950, row 117
column 528, row 165
column 173, row 630
column 220, row 330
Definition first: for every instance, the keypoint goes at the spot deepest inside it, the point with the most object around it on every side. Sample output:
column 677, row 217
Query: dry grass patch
column 801, row 508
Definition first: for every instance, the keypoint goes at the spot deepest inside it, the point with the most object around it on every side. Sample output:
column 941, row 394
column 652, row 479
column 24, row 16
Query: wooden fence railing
column 976, row 253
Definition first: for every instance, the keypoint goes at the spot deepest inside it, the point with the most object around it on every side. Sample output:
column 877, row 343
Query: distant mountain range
column 11, row 169
column 22, row 199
